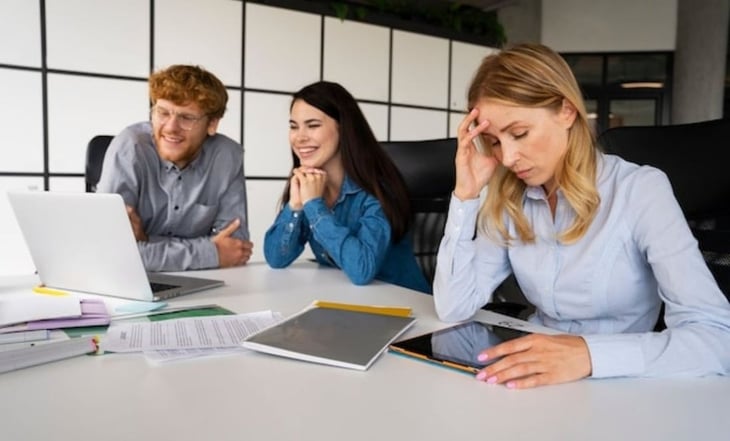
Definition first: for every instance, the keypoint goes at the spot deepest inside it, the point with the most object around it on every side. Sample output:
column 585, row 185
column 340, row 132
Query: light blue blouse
column 608, row 286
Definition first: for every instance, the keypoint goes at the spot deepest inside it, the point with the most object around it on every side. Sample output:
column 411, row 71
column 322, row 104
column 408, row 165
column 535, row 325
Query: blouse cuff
column 615, row 355
column 462, row 218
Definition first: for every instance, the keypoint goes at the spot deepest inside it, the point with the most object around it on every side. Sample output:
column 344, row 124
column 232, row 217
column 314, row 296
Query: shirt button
column 177, row 207
column 179, row 178
column 291, row 224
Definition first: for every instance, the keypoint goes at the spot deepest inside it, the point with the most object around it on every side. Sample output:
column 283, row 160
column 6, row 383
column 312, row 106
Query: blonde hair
column 533, row 75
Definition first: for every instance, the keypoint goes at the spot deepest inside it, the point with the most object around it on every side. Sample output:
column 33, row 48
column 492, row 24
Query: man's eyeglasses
column 186, row 121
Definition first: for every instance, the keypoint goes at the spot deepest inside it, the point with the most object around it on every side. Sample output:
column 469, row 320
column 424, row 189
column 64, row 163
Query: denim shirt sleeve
column 284, row 240
column 360, row 251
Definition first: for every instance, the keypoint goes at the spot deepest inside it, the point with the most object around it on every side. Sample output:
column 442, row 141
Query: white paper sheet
column 172, row 355
column 26, row 306
column 224, row 331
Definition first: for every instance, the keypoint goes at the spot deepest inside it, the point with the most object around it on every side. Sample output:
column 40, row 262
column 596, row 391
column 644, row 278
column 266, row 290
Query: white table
column 261, row 397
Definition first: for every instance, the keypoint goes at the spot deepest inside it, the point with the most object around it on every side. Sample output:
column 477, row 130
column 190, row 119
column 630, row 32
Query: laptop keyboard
column 157, row 287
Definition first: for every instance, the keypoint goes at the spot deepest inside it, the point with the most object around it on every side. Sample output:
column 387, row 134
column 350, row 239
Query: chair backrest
column 95, row 151
column 694, row 157
column 428, row 170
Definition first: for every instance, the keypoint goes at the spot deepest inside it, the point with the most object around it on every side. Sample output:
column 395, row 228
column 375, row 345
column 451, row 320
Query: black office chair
column 95, row 151
column 695, row 158
column 428, row 170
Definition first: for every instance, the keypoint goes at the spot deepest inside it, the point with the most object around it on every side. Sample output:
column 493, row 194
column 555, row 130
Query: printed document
column 224, row 331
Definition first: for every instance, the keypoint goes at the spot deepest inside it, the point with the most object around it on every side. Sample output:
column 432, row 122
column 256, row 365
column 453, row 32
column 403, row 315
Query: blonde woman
column 596, row 243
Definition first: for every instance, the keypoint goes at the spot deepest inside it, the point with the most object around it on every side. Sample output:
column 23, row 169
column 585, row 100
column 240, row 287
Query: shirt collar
column 348, row 187
column 538, row 193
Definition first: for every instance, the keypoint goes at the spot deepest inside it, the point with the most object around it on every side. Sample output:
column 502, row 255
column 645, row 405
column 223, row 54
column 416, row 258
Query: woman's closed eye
column 519, row 135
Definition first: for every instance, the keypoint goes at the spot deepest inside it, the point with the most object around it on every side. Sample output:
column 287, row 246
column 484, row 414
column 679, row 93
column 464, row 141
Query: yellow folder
column 398, row 311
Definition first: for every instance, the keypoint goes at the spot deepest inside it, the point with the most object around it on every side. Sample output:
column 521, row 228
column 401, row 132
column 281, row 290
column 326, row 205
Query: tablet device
column 458, row 346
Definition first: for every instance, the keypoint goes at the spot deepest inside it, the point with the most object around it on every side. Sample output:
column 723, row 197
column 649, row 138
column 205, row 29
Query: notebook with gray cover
column 330, row 335
column 84, row 242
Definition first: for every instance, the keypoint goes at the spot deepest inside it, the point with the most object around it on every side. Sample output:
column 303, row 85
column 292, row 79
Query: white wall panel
column 81, row 107
column 62, row 183
column 377, row 116
column 20, row 32
column 357, row 56
column 21, row 121
column 420, row 69
column 203, row 32
column 263, row 203
column 609, row 26
column 99, row 36
column 465, row 59
column 415, row 124
column 282, row 48
column 230, row 124
column 455, row 119
column 266, row 134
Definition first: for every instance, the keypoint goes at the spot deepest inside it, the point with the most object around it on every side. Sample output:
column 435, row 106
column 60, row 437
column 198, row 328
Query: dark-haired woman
column 345, row 196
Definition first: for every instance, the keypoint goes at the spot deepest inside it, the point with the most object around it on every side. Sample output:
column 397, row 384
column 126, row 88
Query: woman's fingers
column 536, row 360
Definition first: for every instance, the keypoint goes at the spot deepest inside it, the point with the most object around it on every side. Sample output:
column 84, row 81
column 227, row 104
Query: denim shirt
column 354, row 236
column 608, row 286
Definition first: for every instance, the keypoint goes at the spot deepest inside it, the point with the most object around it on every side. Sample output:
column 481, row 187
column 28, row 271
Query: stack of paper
column 186, row 338
column 31, row 312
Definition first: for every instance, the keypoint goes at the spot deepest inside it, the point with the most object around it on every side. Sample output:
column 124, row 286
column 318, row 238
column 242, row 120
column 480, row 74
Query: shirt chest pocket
column 198, row 220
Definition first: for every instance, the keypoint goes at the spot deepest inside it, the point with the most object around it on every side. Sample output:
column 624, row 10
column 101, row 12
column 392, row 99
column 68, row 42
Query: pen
column 48, row 291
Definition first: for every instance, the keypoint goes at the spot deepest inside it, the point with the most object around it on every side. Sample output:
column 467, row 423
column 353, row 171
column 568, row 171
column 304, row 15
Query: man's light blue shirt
column 180, row 209
column 607, row 287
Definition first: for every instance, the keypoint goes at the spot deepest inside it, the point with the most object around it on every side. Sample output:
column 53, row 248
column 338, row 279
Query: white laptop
column 84, row 242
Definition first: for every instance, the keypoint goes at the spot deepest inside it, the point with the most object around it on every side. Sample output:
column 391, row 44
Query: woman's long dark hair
column 363, row 158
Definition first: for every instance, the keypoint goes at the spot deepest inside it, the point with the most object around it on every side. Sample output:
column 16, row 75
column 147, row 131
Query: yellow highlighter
column 40, row 289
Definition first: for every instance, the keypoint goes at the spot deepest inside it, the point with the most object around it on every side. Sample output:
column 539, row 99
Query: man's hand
column 537, row 360
column 231, row 251
column 137, row 226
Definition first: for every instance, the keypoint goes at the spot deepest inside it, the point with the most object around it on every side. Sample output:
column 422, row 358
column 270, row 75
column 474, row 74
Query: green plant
column 459, row 18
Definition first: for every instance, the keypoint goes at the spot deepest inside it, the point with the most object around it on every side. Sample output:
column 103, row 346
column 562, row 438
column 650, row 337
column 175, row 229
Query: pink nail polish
column 482, row 357
column 511, row 385
column 492, row 380
column 481, row 376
